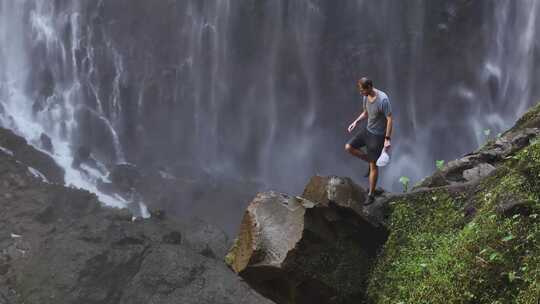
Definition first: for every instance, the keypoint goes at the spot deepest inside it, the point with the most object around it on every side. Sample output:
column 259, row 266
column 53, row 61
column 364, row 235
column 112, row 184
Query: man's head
column 365, row 86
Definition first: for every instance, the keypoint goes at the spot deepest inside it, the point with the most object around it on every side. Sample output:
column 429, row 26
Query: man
column 376, row 136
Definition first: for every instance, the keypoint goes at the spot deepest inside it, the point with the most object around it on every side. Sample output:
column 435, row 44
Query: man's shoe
column 370, row 199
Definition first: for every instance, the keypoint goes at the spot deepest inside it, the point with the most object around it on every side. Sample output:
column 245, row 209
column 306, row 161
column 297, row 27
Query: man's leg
column 373, row 175
column 356, row 152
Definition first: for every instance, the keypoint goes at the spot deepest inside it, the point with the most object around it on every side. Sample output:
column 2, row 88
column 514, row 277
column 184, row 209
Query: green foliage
column 439, row 164
column 404, row 180
column 342, row 264
column 435, row 254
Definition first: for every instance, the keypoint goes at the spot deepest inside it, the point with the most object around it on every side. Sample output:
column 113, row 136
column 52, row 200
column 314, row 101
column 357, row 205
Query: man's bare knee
column 349, row 148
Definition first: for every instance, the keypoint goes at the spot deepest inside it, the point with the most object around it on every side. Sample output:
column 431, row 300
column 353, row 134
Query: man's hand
column 387, row 144
column 352, row 126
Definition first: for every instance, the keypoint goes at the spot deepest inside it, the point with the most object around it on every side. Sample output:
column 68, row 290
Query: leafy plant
column 512, row 276
column 439, row 164
column 404, row 180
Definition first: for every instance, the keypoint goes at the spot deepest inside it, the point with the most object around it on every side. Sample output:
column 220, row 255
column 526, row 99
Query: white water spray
column 19, row 114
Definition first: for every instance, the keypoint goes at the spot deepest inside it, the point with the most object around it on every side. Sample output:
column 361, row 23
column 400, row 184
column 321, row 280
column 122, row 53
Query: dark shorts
column 374, row 143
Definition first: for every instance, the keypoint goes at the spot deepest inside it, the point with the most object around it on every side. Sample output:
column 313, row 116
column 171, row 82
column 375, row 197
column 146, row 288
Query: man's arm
column 388, row 134
column 353, row 124
column 363, row 115
column 389, row 126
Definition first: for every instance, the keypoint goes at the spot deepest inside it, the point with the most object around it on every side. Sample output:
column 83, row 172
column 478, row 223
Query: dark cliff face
column 38, row 162
column 59, row 245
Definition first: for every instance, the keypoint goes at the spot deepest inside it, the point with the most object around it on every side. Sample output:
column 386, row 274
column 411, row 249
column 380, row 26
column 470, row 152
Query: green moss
column 419, row 228
column 341, row 265
column 435, row 255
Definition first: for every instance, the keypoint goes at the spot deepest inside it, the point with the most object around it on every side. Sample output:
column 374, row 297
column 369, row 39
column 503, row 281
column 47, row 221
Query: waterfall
column 27, row 25
column 509, row 67
column 263, row 90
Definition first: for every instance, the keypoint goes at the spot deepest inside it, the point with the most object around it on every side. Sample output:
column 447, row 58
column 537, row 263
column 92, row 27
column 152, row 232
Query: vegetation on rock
column 476, row 246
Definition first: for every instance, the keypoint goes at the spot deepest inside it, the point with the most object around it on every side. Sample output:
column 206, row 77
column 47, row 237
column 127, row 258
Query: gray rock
column 480, row 171
column 508, row 144
column 46, row 143
column 58, row 245
column 480, row 163
column 31, row 157
column 343, row 192
column 514, row 206
column 82, row 155
column 316, row 250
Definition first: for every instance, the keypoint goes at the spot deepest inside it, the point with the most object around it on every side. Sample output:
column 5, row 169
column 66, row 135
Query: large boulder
column 312, row 249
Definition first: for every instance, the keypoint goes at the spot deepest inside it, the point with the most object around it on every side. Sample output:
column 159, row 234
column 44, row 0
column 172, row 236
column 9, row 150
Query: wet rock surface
column 59, row 245
column 31, row 157
column 481, row 163
column 46, row 143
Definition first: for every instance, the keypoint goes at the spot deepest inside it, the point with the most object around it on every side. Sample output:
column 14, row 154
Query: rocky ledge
column 470, row 233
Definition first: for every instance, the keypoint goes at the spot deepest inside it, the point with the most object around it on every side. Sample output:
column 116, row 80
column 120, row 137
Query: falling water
column 264, row 90
column 61, row 104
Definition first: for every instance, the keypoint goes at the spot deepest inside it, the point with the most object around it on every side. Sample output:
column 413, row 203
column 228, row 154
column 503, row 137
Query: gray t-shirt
column 377, row 111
